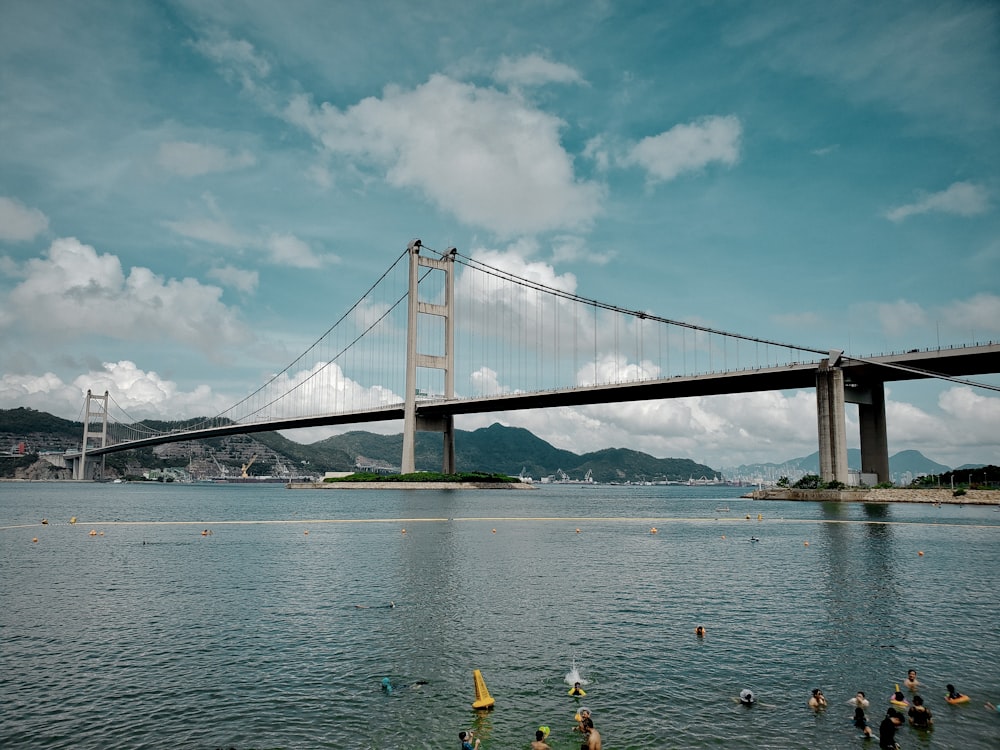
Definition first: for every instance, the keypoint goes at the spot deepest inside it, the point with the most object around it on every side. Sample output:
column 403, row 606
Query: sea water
column 244, row 616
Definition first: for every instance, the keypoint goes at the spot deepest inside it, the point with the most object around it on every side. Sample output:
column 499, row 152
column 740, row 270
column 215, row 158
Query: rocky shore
column 932, row 495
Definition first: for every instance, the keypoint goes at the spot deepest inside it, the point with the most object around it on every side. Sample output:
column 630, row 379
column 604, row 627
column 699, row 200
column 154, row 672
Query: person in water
column 953, row 694
column 539, row 742
column 817, row 699
column 861, row 722
column 577, row 690
column 898, row 698
column 586, row 723
column 699, row 631
column 859, row 700
column 593, row 741
column 887, row 730
column 919, row 714
column 386, row 686
column 910, row 683
column 747, row 698
column 466, row 738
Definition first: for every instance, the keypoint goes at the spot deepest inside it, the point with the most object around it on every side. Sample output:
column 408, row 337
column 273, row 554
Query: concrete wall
column 971, row 497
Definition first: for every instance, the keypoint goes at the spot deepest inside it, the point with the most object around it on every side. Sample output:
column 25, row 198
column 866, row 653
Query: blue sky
column 192, row 192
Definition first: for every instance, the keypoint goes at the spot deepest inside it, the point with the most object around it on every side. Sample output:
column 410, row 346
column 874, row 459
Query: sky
column 192, row 192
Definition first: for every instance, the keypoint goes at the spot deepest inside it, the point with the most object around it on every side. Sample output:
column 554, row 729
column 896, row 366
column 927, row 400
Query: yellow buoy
column 73, row 519
column 760, row 517
column 483, row 697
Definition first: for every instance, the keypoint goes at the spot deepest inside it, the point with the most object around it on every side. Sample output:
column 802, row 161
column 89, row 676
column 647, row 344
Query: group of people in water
column 900, row 711
column 916, row 712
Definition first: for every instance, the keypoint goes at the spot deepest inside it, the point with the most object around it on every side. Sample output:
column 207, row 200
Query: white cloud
column 289, row 250
column 144, row 395
column 214, row 231
column 236, row 59
column 487, row 157
column 19, row 223
column 960, row 199
column 980, row 313
column 533, row 70
column 900, row 316
column 72, row 290
column 192, row 159
column 236, row 278
column 688, row 148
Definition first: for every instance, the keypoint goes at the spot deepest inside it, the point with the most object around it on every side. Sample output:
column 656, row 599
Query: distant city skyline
column 192, row 192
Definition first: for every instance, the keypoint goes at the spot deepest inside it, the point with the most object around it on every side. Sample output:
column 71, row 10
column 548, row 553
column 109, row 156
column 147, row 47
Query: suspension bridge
column 441, row 334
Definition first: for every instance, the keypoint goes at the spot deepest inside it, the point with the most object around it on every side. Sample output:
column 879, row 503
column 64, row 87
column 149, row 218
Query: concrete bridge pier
column 832, row 394
column 870, row 399
column 831, row 420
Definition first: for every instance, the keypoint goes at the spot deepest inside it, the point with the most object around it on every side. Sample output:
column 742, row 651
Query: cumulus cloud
column 978, row 313
column 487, row 157
column 289, row 250
column 144, row 395
column 19, row 223
column 72, row 290
column 236, row 278
column 192, row 159
column 533, row 70
column 959, row 199
column 688, row 148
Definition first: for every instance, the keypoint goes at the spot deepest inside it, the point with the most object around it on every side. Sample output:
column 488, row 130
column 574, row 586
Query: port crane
column 247, row 465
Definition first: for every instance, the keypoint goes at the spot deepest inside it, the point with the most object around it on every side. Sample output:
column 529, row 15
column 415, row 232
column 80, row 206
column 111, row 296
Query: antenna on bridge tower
column 412, row 422
column 88, row 413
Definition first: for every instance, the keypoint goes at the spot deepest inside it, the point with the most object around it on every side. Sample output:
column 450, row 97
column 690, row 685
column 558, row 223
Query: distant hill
column 912, row 462
column 496, row 448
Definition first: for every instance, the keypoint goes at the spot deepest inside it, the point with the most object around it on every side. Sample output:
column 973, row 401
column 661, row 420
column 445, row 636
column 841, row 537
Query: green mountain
column 508, row 450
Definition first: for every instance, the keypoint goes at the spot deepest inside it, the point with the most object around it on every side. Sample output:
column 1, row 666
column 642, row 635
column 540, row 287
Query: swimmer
column 747, row 698
column 699, row 631
column 954, row 696
column 911, row 680
column 593, row 740
column 920, row 715
column 990, row 706
column 861, row 722
column 817, row 700
column 585, row 723
column 887, row 730
column 898, row 699
column 386, row 686
column 466, row 738
column 539, row 743
column 576, row 690
column 859, row 700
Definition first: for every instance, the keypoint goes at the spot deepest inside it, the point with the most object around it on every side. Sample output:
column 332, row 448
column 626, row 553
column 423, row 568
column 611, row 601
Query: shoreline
column 409, row 486
column 940, row 496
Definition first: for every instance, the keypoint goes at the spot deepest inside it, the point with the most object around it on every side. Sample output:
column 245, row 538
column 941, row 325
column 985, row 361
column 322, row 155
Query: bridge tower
column 91, row 416
column 413, row 422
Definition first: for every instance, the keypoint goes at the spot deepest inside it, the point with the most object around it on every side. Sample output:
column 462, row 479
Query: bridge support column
column 874, row 440
column 445, row 361
column 832, row 423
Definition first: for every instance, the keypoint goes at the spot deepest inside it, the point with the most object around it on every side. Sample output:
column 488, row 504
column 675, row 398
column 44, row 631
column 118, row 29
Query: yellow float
column 483, row 697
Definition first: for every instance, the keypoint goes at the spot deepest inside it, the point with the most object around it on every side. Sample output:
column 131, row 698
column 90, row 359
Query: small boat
column 724, row 509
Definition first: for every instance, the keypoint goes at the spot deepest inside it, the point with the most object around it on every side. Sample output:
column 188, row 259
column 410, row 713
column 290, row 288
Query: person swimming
column 576, row 689
column 747, row 698
column 861, row 721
